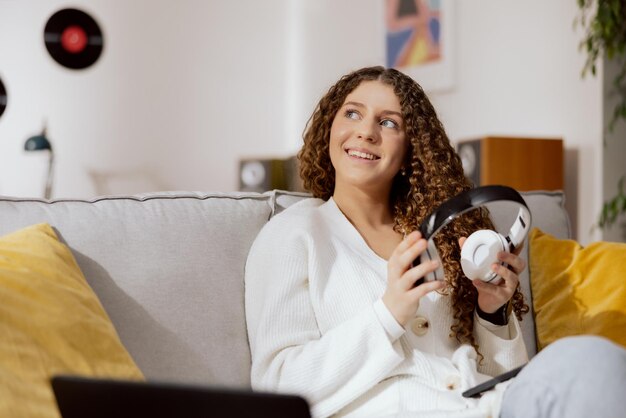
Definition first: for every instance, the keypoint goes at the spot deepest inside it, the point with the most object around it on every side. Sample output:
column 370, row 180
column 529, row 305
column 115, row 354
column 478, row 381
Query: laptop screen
column 79, row 397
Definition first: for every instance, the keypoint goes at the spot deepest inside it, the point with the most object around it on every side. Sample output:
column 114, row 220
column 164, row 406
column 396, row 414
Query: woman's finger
column 511, row 279
column 421, row 270
column 396, row 266
column 427, row 287
column 413, row 252
column 487, row 288
column 517, row 264
column 406, row 243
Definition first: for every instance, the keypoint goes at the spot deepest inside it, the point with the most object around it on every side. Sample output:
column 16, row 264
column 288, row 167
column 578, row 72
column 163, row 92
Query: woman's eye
column 352, row 114
column 388, row 123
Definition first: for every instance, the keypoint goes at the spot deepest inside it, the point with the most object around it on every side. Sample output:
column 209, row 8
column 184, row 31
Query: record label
column 73, row 38
column 3, row 98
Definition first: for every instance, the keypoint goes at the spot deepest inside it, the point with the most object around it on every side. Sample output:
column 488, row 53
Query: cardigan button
column 419, row 326
column 452, row 382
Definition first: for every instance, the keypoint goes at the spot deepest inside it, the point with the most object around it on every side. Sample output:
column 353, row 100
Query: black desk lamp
column 41, row 143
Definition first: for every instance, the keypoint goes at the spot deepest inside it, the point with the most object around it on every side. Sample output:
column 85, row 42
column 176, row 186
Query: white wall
column 185, row 88
column 517, row 70
column 182, row 89
column 521, row 76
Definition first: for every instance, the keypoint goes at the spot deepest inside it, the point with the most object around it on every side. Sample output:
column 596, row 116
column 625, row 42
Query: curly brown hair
column 433, row 174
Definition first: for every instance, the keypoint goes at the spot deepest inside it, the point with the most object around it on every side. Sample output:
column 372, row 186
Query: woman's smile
column 362, row 154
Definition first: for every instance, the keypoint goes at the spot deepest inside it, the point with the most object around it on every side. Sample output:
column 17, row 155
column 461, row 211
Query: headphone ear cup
column 479, row 252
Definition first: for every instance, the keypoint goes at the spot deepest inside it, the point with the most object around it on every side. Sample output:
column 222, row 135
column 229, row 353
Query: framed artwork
column 420, row 41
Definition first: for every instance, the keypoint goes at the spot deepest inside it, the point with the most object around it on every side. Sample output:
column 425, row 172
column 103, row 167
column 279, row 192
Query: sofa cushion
column 283, row 199
column 51, row 322
column 168, row 269
column 578, row 290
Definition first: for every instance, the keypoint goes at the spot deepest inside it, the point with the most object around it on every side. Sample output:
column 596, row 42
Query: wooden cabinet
column 522, row 163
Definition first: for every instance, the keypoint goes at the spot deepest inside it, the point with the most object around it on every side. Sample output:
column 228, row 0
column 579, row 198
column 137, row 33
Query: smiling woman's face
column 367, row 140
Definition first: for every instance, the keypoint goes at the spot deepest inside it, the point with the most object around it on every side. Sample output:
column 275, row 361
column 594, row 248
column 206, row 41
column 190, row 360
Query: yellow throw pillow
column 51, row 322
column 577, row 290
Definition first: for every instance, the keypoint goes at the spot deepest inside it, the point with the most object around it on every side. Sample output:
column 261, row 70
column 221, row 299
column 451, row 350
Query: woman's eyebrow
column 354, row 104
column 392, row 112
column 386, row 112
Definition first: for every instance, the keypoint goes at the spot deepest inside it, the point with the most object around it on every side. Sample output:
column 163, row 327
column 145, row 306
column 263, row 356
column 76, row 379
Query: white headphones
column 480, row 249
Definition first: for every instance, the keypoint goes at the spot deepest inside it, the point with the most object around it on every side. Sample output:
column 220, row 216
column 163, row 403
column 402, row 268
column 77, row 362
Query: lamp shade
column 41, row 143
column 37, row 143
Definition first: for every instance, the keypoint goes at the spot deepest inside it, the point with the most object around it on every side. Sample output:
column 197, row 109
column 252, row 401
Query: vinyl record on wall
column 3, row 98
column 73, row 38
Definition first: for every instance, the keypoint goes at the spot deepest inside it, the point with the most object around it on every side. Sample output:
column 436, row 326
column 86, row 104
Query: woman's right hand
column 402, row 296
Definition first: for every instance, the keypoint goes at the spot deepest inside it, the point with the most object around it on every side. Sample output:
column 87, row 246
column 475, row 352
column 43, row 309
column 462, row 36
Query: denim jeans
column 582, row 376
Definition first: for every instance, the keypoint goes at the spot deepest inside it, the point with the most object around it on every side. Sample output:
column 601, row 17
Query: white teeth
column 360, row 154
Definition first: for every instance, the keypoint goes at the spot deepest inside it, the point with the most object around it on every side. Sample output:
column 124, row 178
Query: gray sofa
column 169, row 268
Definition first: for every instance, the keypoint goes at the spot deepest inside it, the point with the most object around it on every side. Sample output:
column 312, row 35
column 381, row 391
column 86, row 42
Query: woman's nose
column 367, row 131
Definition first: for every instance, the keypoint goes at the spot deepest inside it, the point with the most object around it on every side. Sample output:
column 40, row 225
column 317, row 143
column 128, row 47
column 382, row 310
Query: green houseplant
column 604, row 25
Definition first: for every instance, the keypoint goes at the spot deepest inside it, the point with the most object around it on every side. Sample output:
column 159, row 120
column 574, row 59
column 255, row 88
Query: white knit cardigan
column 318, row 328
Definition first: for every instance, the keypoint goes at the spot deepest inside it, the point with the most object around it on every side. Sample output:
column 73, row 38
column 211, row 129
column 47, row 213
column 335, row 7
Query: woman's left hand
column 492, row 296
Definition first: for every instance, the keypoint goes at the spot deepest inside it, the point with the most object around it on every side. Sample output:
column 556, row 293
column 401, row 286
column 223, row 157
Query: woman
column 333, row 310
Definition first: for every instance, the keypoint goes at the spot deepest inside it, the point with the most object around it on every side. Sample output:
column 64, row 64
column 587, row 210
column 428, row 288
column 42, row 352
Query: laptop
column 79, row 397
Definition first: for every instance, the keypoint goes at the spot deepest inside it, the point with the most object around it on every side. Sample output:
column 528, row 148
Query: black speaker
column 263, row 174
column 469, row 152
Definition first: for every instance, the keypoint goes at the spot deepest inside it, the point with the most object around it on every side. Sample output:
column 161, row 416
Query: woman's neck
column 364, row 210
